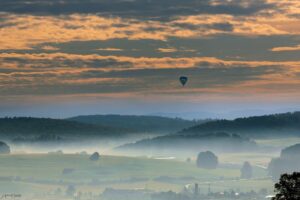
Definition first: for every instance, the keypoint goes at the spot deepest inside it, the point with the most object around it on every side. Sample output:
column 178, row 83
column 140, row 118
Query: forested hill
column 22, row 128
column 31, row 127
column 267, row 125
column 138, row 123
column 219, row 142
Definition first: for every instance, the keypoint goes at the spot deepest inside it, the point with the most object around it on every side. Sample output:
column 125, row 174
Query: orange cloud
column 286, row 81
column 110, row 49
column 294, row 48
column 28, row 31
column 167, row 50
column 149, row 62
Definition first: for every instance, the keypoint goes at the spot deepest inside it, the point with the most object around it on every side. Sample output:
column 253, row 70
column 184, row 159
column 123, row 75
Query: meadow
column 40, row 174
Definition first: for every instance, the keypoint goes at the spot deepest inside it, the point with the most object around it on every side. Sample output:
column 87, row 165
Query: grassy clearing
column 279, row 142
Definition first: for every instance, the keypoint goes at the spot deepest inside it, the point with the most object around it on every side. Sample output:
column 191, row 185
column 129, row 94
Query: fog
column 187, row 163
column 65, row 171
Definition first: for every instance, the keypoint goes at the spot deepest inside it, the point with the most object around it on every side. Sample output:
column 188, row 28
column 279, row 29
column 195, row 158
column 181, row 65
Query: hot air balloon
column 183, row 80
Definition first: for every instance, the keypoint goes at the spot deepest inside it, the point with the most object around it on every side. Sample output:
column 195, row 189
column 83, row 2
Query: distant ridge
column 138, row 123
column 266, row 125
column 219, row 142
column 222, row 135
column 31, row 127
column 87, row 127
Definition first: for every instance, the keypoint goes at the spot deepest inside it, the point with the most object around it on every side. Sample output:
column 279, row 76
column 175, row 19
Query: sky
column 61, row 58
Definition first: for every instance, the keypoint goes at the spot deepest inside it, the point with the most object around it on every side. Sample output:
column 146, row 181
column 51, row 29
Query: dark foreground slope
column 138, row 123
column 27, row 127
column 287, row 124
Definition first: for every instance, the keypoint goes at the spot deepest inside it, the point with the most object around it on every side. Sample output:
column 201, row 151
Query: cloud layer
column 142, row 9
column 141, row 47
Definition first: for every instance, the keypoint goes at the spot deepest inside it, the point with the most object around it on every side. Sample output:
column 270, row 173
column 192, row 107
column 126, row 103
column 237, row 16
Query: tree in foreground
column 288, row 187
column 246, row 170
column 207, row 160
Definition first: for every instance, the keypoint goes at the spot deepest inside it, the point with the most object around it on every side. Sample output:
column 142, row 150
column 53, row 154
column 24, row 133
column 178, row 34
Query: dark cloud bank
column 140, row 9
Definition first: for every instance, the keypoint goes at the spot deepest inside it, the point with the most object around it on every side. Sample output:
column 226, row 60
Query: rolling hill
column 276, row 125
column 22, row 127
column 177, row 144
column 223, row 135
column 86, row 127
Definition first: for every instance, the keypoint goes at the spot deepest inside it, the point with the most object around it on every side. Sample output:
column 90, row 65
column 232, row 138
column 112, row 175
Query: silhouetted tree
column 288, row 187
column 207, row 160
column 95, row 156
column 291, row 152
column 288, row 162
column 246, row 170
column 4, row 148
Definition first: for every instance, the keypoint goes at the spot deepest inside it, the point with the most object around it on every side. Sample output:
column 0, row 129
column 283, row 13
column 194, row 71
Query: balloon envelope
column 183, row 80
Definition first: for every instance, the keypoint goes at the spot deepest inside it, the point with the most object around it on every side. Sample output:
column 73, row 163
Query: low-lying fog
column 67, row 170
column 220, row 159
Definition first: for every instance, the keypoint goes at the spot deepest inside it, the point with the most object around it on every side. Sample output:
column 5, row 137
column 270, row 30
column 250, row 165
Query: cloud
column 109, row 49
column 49, row 48
column 167, row 50
column 142, row 9
column 25, row 31
column 29, row 31
column 142, row 46
column 293, row 48
column 129, row 81
column 66, row 61
column 58, row 74
column 223, row 26
column 232, row 47
column 41, row 62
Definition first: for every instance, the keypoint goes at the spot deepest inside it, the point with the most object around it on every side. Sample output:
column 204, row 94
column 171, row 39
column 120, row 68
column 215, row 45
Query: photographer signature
column 10, row 196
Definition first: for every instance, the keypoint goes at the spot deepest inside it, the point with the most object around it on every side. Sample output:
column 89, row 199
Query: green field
column 279, row 142
column 42, row 173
